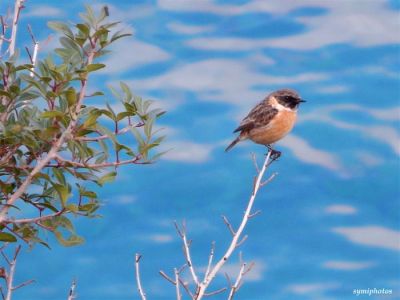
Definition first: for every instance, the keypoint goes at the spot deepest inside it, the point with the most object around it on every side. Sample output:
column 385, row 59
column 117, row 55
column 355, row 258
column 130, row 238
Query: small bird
column 270, row 120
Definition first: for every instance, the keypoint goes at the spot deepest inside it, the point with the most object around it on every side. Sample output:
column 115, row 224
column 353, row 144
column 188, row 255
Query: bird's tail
column 235, row 141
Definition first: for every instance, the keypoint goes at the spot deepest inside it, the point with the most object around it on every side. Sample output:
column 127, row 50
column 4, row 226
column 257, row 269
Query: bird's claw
column 275, row 154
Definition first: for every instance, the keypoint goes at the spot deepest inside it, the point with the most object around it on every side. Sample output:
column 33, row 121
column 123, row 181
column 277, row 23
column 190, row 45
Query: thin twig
column 162, row 273
column 242, row 241
column 19, row 4
column 206, row 282
column 255, row 214
column 210, row 259
column 254, row 159
column 34, row 220
column 11, row 273
column 178, row 291
column 35, row 51
column 186, row 250
column 268, row 180
column 24, row 284
column 63, row 162
column 3, row 25
column 229, row 225
column 138, row 282
column 186, row 287
column 221, row 290
column 235, row 286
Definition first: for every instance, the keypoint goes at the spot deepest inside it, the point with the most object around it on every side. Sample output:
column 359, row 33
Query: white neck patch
column 279, row 106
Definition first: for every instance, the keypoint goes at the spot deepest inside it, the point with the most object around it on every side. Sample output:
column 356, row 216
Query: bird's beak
column 302, row 100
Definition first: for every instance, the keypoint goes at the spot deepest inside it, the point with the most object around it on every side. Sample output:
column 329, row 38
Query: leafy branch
column 56, row 147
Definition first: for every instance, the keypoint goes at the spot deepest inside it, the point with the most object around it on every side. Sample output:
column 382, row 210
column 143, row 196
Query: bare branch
column 234, row 287
column 139, row 284
column 178, row 291
column 35, row 51
column 162, row 273
column 269, row 179
column 24, row 284
column 71, row 294
column 242, row 241
column 11, row 273
column 186, row 287
column 235, row 240
column 19, row 4
column 210, row 259
column 64, row 162
column 221, row 290
column 34, row 220
column 186, row 250
column 253, row 157
column 229, row 225
column 3, row 32
column 178, row 229
column 255, row 214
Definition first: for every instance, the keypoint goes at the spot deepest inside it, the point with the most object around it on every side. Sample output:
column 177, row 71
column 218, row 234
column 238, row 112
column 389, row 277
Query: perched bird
column 270, row 120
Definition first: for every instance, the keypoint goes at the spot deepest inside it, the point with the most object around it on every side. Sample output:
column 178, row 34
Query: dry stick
column 162, row 273
column 34, row 220
column 10, row 276
column 53, row 151
column 71, row 294
column 235, row 287
column 203, row 285
column 35, row 51
column 101, row 165
column 139, row 284
column 17, row 9
column 186, row 248
column 3, row 32
column 178, row 290
column 186, row 287
column 210, row 259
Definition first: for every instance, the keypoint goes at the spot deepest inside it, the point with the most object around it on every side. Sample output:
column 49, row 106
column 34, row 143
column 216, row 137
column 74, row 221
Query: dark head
column 288, row 98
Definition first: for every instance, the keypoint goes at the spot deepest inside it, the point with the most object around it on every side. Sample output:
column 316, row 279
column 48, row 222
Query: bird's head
column 288, row 98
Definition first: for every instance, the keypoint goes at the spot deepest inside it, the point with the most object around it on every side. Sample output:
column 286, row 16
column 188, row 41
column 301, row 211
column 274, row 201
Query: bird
column 270, row 120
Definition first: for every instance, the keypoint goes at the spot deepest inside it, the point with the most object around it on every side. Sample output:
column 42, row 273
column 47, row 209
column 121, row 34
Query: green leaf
column 60, row 27
column 52, row 114
column 63, row 192
column 84, row 29
column 7, row 237
column 70, row 94
column 4, row 93
column 64, row 222
column 119, row 35
column 126, row 90
column 94, row 67
column 59, row 175
column 123, row 115
column 107, row 178
column 72, row 240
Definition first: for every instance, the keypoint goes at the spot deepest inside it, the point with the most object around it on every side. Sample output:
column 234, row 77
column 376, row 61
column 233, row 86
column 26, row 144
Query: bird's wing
column 259, row 116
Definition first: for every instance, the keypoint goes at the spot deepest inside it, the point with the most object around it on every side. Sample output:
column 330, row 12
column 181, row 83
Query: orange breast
column 275, row 130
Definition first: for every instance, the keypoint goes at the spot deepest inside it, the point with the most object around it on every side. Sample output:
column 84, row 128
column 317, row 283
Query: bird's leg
column 275, row 154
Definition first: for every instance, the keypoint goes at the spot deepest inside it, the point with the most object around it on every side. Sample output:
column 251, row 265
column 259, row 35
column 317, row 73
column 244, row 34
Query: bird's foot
column 275, row 154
